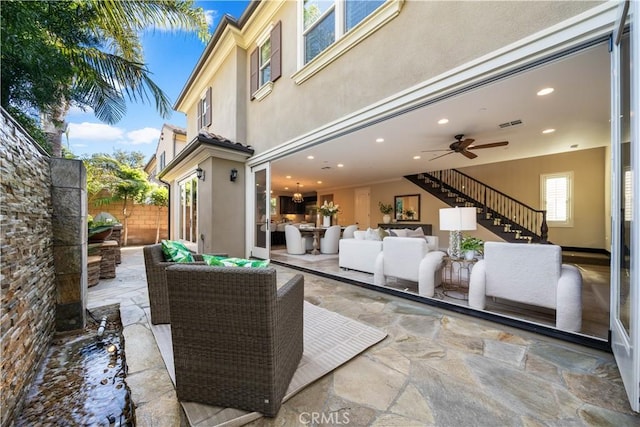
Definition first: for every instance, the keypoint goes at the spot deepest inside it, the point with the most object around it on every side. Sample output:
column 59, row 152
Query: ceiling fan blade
column 429, row 151
column 442, row 155
column 464, row 144
column 490, row 145
column 468, row 154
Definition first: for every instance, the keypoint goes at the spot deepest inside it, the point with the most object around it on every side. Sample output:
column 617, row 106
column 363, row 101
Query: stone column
column 69, row 198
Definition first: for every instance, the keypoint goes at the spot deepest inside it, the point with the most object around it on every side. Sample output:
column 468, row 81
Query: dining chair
column 329, row 243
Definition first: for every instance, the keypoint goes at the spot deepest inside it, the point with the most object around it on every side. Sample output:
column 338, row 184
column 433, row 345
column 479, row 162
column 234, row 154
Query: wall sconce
column 200, row 173
column 234, row 175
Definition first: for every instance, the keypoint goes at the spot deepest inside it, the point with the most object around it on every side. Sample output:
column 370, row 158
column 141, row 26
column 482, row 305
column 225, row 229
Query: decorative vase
column 326, row 221
column 469, row 255
column 386, row 218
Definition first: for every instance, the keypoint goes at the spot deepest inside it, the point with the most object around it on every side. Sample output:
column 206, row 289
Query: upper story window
column 327, row 29
column 265, row 62
column 204, row 110
column 326, row 21
column 163, row 161
column 556, row 191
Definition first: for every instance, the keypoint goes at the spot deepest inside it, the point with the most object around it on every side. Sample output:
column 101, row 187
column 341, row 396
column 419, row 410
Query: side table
column 454, row 283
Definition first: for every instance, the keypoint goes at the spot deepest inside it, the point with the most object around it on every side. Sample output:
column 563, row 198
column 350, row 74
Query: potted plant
column 327, row 210
column 470, row 246
column 99, row 230
column 385, row 210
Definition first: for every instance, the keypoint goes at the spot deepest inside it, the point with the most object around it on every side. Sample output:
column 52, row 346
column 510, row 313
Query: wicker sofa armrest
column 289, row 332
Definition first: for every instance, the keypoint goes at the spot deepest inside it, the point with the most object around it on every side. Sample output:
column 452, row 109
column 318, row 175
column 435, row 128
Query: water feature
column 82, row 378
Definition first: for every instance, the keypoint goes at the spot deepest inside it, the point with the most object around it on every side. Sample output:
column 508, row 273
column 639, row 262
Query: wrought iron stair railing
column 502, row 214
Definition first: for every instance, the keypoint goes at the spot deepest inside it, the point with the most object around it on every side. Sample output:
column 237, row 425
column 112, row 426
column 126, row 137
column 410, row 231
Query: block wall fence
column 142, row 222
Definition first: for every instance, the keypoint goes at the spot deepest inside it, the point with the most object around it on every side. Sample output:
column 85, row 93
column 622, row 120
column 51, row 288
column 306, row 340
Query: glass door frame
column 259, row 215
column 625, row 339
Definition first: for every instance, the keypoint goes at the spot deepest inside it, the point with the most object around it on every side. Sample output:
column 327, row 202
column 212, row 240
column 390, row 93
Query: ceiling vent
column 509, row 124
column 324, row 168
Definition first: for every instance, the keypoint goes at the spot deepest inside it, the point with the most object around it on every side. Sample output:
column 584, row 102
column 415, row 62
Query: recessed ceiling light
column 286, row 188
column 443, row 121
column 340, row 165
column 288, row 176
column 416, row 157
column 310, row 157
column 548, row 131
column 545, row 91
column 380, row 140
column 319, row 182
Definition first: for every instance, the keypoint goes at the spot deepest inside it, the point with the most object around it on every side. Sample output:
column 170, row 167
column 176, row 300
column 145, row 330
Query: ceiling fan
column 463, row 147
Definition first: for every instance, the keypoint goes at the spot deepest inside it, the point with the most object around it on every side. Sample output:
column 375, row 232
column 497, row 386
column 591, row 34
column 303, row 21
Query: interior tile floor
column 436, row 367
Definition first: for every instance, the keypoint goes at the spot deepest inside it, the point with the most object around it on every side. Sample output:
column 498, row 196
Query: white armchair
column 329, row 242
column 531, row 274
column 349, row 230
column 410, row 258
column 297, row 244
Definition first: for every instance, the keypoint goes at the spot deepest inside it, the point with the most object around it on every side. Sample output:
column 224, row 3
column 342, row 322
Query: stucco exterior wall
column 426, row 39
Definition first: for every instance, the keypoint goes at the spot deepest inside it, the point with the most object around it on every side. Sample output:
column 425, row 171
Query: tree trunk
column 125, row 226
column 158, row 225
column 54, row 126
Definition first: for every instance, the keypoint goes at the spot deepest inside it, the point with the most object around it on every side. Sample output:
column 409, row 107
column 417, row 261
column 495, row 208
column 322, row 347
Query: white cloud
column 94, row 131
column 80, row 145
column 143, row 136
column 210, row 15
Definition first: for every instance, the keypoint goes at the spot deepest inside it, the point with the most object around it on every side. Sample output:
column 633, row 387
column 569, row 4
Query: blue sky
column 170, row 56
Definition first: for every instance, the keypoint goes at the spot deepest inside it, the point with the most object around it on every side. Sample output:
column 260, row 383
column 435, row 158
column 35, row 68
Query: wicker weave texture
column 237, row 339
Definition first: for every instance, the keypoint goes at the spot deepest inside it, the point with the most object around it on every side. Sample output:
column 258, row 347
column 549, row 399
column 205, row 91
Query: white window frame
column 568, row 222
column 264, row 88
column 185, row 235
column 203, row 110
column 344, row 41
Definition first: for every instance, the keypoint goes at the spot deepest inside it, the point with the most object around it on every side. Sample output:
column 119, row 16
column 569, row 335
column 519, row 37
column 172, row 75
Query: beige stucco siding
column 423, row 41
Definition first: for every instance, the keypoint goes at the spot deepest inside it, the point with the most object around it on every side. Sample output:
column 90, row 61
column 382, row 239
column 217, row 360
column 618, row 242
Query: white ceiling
column 578, row 109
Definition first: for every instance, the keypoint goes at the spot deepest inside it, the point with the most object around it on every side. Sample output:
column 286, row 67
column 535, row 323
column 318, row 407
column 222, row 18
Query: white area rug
column 330, row 340
column 306, row 257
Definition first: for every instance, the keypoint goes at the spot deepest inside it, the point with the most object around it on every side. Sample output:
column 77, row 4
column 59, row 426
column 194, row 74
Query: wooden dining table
column 315, row 231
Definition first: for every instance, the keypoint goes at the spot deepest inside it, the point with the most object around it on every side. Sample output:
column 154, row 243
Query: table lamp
column 456, row 220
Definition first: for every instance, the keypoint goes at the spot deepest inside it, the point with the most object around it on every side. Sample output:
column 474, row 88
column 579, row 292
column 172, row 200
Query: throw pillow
column 219, row 261
column 418, row 232
column 372, row 234
column 176, row 251
column 392, row 233
column 382, row 233
column 360, row 235
column 401, row 232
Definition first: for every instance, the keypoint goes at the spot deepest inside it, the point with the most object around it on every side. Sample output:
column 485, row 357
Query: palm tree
column 101, row 62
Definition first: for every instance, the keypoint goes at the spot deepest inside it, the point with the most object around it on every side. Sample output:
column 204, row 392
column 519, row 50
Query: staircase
column 499, row 213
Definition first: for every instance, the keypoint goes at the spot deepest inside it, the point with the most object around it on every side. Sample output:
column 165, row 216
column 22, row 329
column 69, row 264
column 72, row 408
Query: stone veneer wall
column 27, row 281
column 43, row 254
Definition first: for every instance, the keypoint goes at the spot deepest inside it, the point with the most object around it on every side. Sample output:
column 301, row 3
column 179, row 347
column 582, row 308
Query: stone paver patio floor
column 435, row 367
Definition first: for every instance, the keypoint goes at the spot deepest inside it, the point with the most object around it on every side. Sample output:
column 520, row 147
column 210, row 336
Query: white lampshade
column 458, row 219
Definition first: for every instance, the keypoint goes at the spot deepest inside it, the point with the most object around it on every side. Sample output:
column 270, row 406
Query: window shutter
column 208, row 113
column 557, row 195
column 199, row 114
column 253, row 82
column 276, row 57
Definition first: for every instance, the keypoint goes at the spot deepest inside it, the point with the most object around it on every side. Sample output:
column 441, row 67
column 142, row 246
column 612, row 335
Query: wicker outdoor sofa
column 155, row 265
column 237, row 339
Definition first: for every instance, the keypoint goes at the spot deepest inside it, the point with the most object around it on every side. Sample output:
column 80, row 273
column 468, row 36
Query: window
column 204, row 110
column 188, row 229
column 627, row 195
column 326, row 21
column 163, row 160
column 265, row 62
column 327, row 29
column 557, row 200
